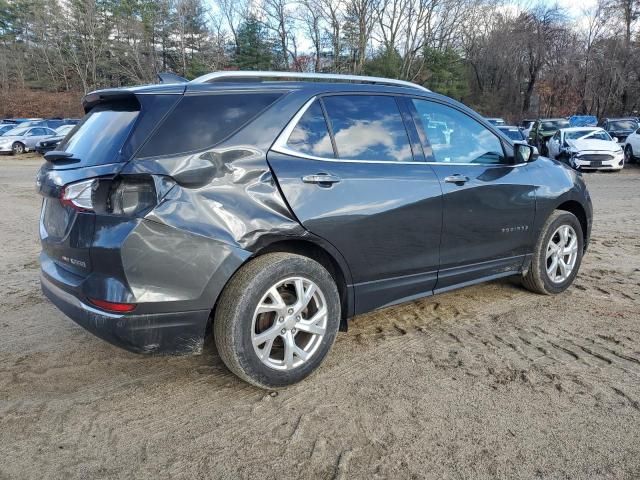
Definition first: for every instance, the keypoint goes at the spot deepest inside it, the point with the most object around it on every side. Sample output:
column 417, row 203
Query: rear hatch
column 117, row 122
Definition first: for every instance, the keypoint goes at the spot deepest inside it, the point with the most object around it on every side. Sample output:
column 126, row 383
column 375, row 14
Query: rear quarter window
column 202, row 121
column 311, row 135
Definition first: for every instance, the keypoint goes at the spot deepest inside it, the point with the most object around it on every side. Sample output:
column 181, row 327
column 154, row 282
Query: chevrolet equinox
column 270, row 208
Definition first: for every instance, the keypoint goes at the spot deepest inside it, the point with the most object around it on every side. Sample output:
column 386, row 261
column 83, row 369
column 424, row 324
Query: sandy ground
column 489, row 381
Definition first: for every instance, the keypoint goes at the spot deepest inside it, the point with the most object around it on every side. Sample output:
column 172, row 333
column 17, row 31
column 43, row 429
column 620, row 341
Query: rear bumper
column 159, row 333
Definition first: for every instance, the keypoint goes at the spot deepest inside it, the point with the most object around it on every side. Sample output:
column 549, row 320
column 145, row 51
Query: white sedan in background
column 23, row 139
column 586, row 148
column 632, row 147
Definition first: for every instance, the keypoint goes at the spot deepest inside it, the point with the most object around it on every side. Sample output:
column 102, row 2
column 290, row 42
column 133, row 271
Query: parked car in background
column 5, row 127
column 23, row 139
column 632, row 147
column 51, row 143
column 620, row 128
column 543, row 129
column 513, row 132
column 18, row 121
column 583, row 121
column 496, row 121
column 271, row 212
column 586, row 148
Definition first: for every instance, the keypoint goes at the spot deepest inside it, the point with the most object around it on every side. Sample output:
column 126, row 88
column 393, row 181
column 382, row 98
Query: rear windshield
column 98, row 138
column 202, row 121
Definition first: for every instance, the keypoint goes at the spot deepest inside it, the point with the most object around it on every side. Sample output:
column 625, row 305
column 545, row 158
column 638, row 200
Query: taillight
column 126, row 195
column 79, row 195
column 131, row 196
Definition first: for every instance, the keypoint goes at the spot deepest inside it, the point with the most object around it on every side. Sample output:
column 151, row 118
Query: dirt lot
column 489, row 381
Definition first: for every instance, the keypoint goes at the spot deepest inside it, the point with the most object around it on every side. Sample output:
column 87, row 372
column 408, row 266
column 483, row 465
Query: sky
column 574, row 9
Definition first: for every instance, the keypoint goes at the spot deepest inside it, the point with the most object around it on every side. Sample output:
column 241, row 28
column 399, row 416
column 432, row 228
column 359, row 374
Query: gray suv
column 271, row 212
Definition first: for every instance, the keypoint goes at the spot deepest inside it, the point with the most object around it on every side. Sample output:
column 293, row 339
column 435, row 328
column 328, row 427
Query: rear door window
column 311, row 135
column 368, row 127
column 101, row 134
column 202, row 121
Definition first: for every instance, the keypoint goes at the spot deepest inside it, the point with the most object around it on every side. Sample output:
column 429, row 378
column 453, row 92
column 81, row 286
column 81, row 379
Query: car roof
column 310, row 87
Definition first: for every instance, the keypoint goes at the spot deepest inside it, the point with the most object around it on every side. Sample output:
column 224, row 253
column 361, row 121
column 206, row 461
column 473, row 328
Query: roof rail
column 242, row 75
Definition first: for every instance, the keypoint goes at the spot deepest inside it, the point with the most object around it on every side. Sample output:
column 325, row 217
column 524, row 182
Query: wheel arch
column 332, row 262
column 574, row 207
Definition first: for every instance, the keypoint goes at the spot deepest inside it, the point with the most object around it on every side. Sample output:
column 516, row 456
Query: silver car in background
column 23, row 139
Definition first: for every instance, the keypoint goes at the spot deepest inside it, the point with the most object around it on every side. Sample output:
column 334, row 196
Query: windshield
column 554, row 124
column 101, row 134
column 63, row 130
column 513, row 133
column 623, row 125
column 587, row 134
column 17, row 131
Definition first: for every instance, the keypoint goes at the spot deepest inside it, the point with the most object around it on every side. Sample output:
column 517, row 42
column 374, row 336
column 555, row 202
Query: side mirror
column 615, row 139
column 525, row 153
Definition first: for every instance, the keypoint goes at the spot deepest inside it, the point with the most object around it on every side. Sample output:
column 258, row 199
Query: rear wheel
column 277, row 319
column 17, row 148
column 557, row 255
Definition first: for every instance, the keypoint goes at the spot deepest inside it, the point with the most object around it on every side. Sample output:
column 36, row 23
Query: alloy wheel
column 18, row 148
column 562, row 253
column 289, row 323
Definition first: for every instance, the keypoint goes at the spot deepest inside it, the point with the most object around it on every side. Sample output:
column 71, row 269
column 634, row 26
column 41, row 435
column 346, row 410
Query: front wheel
column 628, row 155
column 277, row 319
column 17, row 148
column 557, row 255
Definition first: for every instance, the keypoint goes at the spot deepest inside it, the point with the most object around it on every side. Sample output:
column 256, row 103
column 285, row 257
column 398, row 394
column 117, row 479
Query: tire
column 537, row 279
column 628, row 155
column 237, row 323
column 17, row 148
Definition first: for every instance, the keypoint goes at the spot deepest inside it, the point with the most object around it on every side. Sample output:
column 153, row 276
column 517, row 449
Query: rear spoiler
column 168, row 77
column 92, row 99
column 129, row 94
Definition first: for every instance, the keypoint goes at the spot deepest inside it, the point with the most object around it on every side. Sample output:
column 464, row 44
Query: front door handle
column 457, row 179
column 323, row 179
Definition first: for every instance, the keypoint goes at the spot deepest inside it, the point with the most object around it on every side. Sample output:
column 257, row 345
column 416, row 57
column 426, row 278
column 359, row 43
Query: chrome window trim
column 280, row 146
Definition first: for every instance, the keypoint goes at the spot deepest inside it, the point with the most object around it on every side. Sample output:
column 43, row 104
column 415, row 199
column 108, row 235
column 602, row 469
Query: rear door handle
column 457, row 179
column 321, row 179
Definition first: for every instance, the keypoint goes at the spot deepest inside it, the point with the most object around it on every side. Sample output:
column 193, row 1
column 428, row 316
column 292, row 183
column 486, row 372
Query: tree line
column 497, row 57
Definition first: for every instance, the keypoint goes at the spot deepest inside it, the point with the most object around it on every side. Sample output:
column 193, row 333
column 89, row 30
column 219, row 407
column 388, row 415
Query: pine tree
column 255, row 48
